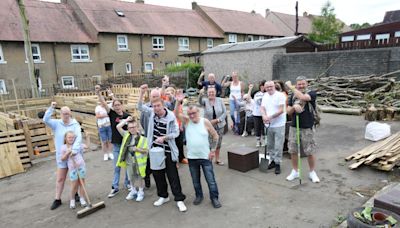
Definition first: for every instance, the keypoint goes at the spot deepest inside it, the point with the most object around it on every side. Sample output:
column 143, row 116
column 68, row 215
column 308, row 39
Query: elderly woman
column 215, row 112
column 60, row 127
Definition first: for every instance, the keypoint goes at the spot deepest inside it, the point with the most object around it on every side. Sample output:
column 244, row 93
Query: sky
column 349, row 11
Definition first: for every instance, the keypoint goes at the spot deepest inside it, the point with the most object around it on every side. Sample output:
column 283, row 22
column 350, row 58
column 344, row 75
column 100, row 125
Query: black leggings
column 258, row 126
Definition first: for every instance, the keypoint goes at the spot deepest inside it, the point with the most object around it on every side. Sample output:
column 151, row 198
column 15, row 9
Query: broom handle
column 82, row 184
column 298, row 146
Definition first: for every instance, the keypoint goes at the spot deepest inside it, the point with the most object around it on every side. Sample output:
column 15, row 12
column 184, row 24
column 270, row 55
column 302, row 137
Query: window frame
column 38, row 54
column 126, row 48
column 397, row 34
column 250, row 38
column 363, row 37
column 208, row 42
column 232, row 38
column 68, row 86
column 3, row 82
column 181, row 44
column 347, row 38
column 128, row 71
column 2, row 61
column 80, row 48
column 158, row 46
column 148, row 63
column 261, row 37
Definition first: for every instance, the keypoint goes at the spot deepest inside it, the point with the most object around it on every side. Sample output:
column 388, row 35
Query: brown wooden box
column 389, row 201
column 243, row 158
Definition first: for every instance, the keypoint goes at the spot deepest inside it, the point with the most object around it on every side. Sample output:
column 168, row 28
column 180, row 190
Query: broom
column 89, row 209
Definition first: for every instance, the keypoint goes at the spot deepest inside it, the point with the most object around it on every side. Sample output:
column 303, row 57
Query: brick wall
column 252, row 66
column 337, row 63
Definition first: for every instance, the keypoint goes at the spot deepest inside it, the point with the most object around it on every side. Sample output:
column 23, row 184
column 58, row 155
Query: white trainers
column 111, row 156
column 181, row 205
column 245, row 134
column 258, row 144
column 313, row 177
column 105, row 157
column 132, row 194
column 72, row 204
column 161, row 201
column 293, row 175
column 140, row 196
column 82, row 201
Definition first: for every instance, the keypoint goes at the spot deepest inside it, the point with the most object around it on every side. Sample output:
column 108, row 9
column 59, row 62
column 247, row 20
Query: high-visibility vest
column 141, row 159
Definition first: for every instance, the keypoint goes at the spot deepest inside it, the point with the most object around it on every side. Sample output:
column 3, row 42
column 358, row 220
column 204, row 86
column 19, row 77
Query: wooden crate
column 17, row 137
column 10, row 162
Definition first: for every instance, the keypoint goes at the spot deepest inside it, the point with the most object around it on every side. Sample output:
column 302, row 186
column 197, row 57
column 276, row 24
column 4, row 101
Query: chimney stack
column 139, row 1
column 305, row 14
column 194, row 5
column 267, row 12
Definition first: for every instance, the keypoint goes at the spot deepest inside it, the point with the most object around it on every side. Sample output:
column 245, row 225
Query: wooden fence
column 361, row 44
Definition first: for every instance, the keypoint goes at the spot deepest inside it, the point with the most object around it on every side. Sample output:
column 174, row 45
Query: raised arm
column 178, row 105
column 121, row 124
column 200, row 80
column 201, row 98
column 101, row 98
column 251, row 86
column 297, row 93
column 143, row 108
column 47, row 116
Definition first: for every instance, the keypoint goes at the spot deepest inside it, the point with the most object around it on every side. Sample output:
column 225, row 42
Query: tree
column 325, row 28
column 358, row 26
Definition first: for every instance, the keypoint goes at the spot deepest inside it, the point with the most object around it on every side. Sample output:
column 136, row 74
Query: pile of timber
column 383, row 155
column 357, row 94
column 26, row 107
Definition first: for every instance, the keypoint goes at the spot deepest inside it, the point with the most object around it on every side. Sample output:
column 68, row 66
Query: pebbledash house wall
column 336, row 63
column 251, row 65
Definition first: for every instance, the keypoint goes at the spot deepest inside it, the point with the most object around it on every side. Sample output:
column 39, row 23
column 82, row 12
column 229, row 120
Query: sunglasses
column 192, row 113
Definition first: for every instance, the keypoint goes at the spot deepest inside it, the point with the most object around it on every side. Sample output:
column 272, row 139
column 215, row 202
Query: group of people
column 158, row 148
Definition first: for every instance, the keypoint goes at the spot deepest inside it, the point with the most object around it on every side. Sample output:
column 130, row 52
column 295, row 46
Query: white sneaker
column 105, row 157
column 111, row 156
column 262, row 143
column 129, row 187
column 258, row 144
column 181, row 205
column 140, row 196
column 72, row 204
column 132, row 194
column 161, row 201
column 313, row 177
column 82, row 201
column 245, row 134
column 293, row 175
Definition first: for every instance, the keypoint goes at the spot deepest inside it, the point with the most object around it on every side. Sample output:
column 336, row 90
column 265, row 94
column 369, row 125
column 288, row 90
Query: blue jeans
column 117, row 169
column 234, row 106
column 194, row 167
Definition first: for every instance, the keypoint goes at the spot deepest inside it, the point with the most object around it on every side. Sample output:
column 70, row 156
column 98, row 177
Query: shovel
column 265, row 161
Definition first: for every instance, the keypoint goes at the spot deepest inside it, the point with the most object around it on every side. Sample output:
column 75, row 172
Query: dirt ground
column 251, row 199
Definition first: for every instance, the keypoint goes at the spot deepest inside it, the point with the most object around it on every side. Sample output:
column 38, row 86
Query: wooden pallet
column 10, row 162
column 17, row 137
column 38, row 137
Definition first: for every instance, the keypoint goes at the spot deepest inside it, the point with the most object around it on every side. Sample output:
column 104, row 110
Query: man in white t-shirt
column 274, row 115
column 104, row 126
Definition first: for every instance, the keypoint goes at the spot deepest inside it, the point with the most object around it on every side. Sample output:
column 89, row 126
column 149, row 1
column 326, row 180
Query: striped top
column 160, row 129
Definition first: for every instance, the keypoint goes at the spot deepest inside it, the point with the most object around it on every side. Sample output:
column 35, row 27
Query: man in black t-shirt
column 116, row 114
column 299, row 104
column 210, row 82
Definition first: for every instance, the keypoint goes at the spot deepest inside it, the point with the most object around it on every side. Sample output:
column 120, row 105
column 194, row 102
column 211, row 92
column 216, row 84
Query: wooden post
column 28, row 139
column 16, row 96
column 2, row 103
column 28, row 47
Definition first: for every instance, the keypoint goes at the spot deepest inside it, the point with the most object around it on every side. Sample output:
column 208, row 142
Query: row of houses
column 104, row 38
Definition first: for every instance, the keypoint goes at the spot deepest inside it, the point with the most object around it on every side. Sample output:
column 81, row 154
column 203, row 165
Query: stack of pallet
column 17, row 137
column 25, row 107
column 10, row 161
column 383, row 155
column 38, row 138
column 85, row 104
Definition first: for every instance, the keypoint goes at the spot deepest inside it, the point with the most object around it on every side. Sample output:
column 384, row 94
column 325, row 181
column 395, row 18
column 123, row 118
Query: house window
column 397, row 34
column 158, row 43
column 261, row 38
column 36, row 53
column 148, row 66
column 3, row 89
column 250, row 38
column 183, row 43
column 232, row 38
column 80, row 53
column 210, row 43
column 364, row 37
column 2, row 56
column 128, row 68
column 347, row 38
column 381, row 38
column 122, row 42
column 68, row 82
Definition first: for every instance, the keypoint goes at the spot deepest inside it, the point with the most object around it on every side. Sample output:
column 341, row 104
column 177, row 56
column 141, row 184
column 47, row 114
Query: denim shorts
column 105, row 134
column 73, row 174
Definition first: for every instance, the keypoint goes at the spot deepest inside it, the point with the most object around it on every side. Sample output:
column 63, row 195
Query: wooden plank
column 10, row 162
column 12, row 139
column 39, row 131
column 12, row 132
column 40, row 138
column 28, row 139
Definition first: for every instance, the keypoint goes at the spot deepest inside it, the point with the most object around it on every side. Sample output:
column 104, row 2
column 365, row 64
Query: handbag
column 157, row 158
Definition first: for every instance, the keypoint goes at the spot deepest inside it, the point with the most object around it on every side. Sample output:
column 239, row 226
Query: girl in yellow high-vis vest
column 133, row 157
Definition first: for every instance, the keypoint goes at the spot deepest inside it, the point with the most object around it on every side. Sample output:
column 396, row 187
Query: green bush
column 193, row 69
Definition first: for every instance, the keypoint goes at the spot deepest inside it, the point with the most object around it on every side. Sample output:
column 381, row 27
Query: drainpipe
column 55, row 60
column 141, row 53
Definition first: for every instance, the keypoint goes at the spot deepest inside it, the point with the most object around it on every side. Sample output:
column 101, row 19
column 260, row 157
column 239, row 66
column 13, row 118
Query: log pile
column 383, row 155
column 356, row 94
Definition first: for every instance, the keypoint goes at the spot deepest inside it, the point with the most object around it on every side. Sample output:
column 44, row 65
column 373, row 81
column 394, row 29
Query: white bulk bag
column 376, row 131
